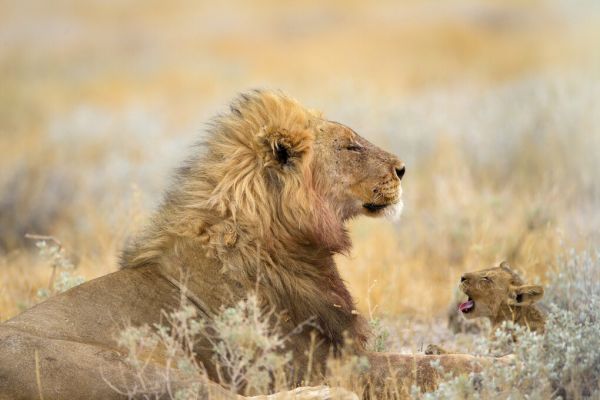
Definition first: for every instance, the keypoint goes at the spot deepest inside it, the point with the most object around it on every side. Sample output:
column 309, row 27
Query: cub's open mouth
column 467, row 306
column 374, row 207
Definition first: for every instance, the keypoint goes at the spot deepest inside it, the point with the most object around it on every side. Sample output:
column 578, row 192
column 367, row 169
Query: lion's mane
column 250, row 200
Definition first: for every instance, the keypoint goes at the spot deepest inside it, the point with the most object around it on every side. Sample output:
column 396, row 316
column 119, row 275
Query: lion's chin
column 394, row 211
column 390, row 211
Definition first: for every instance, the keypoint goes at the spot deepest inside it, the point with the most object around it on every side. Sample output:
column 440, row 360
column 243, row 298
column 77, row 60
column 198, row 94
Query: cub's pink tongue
column 466, row 306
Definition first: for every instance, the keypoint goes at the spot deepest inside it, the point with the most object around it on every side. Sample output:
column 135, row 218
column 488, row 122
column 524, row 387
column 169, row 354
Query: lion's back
column 95, row 311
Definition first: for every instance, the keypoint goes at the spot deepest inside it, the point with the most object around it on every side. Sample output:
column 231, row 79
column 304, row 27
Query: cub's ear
column 525, row 295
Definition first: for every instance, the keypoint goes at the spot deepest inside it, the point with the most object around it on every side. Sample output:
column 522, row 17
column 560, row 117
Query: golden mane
column 251, row 201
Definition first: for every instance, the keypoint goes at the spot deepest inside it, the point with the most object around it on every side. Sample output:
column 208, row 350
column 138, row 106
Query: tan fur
column 262, row 208
column 500, row 295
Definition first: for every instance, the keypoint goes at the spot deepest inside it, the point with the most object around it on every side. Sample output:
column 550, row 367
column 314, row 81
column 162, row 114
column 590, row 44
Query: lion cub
column 499, row 294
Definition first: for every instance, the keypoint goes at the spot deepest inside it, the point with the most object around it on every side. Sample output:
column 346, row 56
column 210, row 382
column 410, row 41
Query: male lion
column 500, row 295
column 261, row 208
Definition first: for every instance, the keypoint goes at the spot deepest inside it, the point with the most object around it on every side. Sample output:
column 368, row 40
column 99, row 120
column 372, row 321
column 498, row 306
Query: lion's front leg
column 393, row 375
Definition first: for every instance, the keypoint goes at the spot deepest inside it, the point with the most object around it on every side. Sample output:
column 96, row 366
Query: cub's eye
column 486, row 279
column 354, row 147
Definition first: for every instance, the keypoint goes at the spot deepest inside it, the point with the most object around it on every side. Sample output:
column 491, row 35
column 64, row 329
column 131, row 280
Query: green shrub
column 246, row 341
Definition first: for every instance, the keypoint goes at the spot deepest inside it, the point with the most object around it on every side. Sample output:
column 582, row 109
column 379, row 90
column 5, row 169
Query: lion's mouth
column 467, row 306
column 372, row 207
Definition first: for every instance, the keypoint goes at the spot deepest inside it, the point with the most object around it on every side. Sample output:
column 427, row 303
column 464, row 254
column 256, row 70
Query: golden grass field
column 493, row 106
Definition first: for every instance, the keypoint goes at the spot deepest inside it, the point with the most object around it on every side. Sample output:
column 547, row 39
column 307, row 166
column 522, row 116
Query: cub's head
column 489, row 289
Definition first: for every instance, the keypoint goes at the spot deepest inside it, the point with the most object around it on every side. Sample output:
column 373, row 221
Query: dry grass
column 492, row 105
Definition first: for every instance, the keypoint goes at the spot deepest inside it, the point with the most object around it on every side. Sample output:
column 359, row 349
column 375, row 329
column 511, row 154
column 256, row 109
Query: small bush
column 174, row 341
column 53, row 251
column 380, row 336
column 246, row 340
column 249, row 347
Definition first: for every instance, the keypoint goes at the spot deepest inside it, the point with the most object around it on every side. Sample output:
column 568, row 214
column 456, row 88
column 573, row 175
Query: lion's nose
column 463, row 278
column 400, row 172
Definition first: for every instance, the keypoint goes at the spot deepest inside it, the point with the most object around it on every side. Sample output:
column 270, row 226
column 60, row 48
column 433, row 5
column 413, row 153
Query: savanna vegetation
column 493, row 106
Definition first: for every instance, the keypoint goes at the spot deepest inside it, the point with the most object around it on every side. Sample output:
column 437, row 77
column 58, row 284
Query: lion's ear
column 281, row 153
column 286, row 148
column 525, row 295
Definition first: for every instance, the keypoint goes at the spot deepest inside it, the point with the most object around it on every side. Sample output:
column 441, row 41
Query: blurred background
column 493, row 105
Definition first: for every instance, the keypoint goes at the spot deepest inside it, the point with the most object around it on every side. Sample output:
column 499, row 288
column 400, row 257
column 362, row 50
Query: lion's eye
column 354, row 147
column 486, row 279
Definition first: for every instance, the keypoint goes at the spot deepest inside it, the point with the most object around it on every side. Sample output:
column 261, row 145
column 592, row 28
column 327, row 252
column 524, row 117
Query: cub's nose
column 463, row 278
column 400, row 172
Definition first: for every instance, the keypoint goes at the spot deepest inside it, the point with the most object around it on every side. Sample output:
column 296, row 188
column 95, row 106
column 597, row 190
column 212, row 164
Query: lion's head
column 285, row 174
column 490, row 289
column 298, row 149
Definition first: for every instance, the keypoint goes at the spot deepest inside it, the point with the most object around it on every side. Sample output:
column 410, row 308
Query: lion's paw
column 435, row 350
